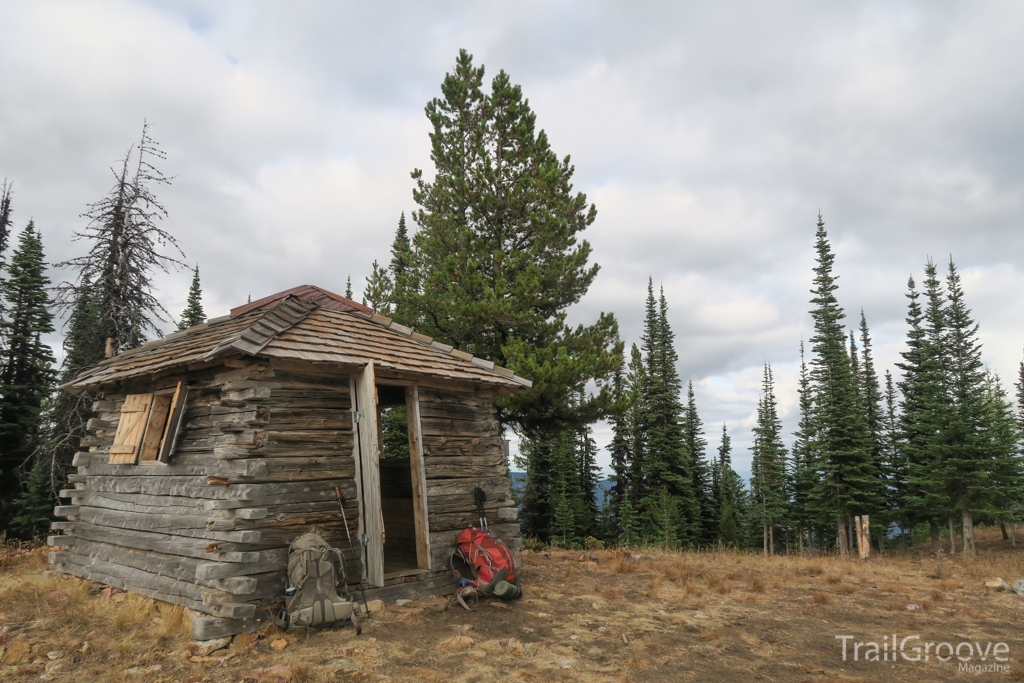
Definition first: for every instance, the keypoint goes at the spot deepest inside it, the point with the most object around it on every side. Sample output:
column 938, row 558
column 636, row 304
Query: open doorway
column 396, row 489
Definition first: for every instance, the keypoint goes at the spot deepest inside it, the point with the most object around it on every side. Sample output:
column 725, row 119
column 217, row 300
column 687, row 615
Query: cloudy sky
column 709, row 135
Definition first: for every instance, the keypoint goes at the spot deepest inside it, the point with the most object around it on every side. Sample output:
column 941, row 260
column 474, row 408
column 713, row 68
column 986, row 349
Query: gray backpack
column 311, row 598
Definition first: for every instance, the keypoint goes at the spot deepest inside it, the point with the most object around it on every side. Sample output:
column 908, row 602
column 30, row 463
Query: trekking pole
column 344, row 518
column 480, row 497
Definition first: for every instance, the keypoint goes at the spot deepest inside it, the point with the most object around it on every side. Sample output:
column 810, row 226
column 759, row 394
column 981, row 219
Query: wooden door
column 364, row 406
column 419, row 478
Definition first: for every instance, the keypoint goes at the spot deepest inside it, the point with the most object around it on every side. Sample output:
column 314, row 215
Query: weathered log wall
column 463, row 450
column 256, row 464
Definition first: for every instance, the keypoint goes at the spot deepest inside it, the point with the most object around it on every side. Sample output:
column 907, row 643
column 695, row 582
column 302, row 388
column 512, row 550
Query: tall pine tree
column 499, row 258
column 26, row 378
column 667, row 475
column 966, row 457
column 768, row 466
column 848, row 486
column 695, row 446
column 804, row 463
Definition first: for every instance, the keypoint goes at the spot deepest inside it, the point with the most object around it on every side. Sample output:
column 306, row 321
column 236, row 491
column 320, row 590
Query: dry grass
column 644, row 615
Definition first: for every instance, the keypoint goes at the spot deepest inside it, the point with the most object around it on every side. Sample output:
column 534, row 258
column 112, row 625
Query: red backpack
column 489, row 559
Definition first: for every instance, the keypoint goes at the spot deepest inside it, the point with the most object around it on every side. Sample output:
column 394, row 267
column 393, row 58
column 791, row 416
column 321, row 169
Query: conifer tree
column 563, row 524
column 348, row 287
column 66, row 414
column 33, row 509
column 895, row 468
column 124, row 238
column 917, row 421
column 667, row 471
column 871, row 404
column 966, row 459
column 26, row 377
column 1005, row 481
column 804, row 462
column 587, row 474
column 636, row 424
column 927, row 485
column 619, row 449
column 628, row 525
column 193, row 314
column 695, row 447
column 847, row 486
column 768, row 467
column 379, row 291
column 730, row 494
column 498, row 257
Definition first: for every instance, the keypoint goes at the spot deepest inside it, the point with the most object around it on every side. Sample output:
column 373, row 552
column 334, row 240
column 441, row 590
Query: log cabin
column 213, row 448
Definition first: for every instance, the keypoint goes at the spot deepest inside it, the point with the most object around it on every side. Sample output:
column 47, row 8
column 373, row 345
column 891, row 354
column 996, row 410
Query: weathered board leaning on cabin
column 215, row 447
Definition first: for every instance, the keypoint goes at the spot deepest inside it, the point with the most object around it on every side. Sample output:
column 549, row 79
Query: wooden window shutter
column 176, row 415
column 158, row 413
column 130, row 429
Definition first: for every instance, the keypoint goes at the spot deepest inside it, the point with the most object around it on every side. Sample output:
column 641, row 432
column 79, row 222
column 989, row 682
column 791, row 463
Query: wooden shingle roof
column 302, row 324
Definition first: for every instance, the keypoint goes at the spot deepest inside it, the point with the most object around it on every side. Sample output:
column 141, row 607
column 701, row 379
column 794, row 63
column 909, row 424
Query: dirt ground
column 617, row 616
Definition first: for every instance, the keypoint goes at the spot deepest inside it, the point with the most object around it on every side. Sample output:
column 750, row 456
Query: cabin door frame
column 371, row 519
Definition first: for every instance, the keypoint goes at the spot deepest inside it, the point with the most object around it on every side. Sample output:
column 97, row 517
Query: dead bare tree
column 125, row 248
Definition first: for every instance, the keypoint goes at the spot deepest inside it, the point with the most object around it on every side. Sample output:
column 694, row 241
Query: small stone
column 913, row 608
column 625, row 639
column 373, row 606
column 279, row 644
column 1018, row 586
column 997, row 584
column 565, row 663
column 602, row 629
column 574, row 637
column 463, row 627
column 541, row 615
column 206, row 647
column 343, row 665
column 402, row 602
column 53, row 655
column 477, row 654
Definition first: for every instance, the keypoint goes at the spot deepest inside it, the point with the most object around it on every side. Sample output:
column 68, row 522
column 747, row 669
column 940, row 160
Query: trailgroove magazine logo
column 971, row 656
